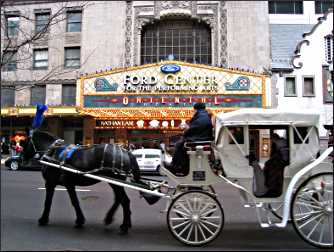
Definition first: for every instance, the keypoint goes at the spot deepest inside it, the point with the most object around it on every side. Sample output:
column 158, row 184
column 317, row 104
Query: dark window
column 182, row 40
column 12, row 23
column 327, row 85
column 238, row 134
column 73, row 123
column 68, row 94
column 308, row 87
column 322, row 6
column 290, row 86
column 42, row 21
column 329, row 48
column 73, row 21
column 9, row 61
column 41, row 57
column 38, row 95
column 72, row 57
column 303, row 132
column 7, row 97
column 285, row 7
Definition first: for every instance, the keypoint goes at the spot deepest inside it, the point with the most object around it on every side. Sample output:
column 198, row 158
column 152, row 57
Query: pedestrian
column 200, row 128
column 162, row 146
column 18, row 148
column 12, row 148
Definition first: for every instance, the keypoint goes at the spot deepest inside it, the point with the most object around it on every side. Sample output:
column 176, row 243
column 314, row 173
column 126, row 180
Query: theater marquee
column 168, row 90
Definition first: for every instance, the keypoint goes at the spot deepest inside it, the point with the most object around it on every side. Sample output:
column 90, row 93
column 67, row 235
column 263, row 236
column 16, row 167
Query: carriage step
column 253, row 205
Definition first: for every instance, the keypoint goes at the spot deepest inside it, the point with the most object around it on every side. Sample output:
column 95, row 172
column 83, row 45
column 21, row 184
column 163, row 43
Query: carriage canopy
column 254, row 116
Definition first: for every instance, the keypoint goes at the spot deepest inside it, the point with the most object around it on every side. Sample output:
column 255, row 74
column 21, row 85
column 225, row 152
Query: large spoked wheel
column 312, row 210
column 195, row 218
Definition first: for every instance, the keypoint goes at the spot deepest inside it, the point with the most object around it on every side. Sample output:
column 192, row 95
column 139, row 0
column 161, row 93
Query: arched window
column 183, row 40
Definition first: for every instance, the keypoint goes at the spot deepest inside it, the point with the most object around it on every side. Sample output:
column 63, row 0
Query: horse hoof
column 79, row 223
column 123, row 231
column 78, row 226
column 42, row 222
column 107, row 221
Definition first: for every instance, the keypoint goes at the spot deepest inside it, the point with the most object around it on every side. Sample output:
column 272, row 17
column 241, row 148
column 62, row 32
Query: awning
column 143, row 113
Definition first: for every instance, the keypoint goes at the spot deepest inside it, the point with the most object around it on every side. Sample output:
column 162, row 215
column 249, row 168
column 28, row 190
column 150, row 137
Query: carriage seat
column 191, row 146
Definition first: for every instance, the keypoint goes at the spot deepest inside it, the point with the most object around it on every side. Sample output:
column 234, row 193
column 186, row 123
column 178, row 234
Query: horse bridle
column 34, row 146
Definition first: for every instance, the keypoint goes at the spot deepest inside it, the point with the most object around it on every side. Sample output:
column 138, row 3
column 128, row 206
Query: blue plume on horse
column 38, row 119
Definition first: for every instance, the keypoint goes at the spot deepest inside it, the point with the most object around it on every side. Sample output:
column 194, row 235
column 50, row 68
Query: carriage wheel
column 195, row 218
column 312, row 210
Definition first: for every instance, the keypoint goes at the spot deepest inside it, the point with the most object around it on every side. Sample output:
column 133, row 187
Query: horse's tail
column 134, row 167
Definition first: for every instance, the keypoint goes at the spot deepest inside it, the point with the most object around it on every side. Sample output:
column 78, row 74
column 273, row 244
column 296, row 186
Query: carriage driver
column 200, row 129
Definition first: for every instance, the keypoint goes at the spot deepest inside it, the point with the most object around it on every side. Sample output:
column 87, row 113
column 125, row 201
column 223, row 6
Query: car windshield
column 152, row 156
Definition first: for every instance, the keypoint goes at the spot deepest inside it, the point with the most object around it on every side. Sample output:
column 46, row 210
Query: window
column 42, row 22
column 322, row 6
column 38, row 94
column 68, row 94
column 7, row 97
column 72, row 57
column 12, row 25
column 327, row 85
column 329, row 48
column 182, row 40
column 41, row 57
column 308, row 86
column 10, row 61
column 285, row 7
column 73, row 21
column 303, row 133
column 290, row 86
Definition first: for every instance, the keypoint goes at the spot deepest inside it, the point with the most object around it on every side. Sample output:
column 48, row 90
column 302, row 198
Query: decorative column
column 88, row 130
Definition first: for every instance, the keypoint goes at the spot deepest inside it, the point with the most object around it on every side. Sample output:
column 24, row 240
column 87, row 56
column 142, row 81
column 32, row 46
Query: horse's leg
column 110, row 214
column 125, row 202
column 120, row 198
column 49, row 191
column 75, row 202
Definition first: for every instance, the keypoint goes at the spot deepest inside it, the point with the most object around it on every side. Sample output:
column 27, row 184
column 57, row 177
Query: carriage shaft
column 108, row 180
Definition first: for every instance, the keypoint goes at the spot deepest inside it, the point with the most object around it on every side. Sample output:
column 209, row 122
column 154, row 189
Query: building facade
column 100, row 66
column 94, row 37
column 302, row 58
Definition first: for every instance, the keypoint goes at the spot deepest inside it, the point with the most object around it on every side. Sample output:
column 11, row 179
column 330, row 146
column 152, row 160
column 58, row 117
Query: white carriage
column 194, row 214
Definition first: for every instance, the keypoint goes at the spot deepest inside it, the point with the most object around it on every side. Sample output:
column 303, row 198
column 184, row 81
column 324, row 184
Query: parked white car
column 149, row 159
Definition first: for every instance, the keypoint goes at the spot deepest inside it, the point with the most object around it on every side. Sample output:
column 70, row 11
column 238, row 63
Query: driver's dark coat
column 200, row 127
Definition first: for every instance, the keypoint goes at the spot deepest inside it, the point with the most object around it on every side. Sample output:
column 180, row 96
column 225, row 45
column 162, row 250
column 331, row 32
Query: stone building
column 97, row 36
column 92, row 40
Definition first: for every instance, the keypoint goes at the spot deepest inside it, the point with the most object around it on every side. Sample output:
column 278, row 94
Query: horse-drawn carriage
column 299, row 190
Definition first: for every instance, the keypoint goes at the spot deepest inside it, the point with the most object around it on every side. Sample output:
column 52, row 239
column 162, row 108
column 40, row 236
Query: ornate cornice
column 128, row 34
column 297, row 54
column 223, row 35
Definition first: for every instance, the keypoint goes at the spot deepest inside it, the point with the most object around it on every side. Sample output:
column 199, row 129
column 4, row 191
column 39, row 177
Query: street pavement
column 22, row 198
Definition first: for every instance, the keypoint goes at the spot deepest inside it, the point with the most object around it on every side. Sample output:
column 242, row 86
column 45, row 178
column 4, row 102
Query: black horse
column 102, row 159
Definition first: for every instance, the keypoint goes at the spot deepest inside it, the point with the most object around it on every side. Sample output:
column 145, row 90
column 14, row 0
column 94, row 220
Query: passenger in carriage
column 200, row 129
column 274, row 167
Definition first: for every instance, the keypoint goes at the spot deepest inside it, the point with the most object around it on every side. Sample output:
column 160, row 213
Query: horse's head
column 37, row 143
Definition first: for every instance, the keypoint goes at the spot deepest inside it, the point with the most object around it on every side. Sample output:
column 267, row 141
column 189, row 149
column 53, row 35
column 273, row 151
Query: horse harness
column 69, row 150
